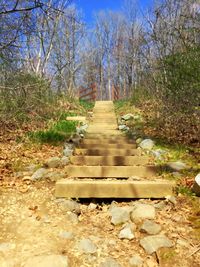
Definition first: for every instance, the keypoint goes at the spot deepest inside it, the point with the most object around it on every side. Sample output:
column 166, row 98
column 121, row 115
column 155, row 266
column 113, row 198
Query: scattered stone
column 72, row 217
column 127, row 117
column 158, row 153
column 171, row 199
column 92, row 206
column 147, row 144
column 143, row 211
column 66, row 235
column 39, row 174
column 82, row 129
column 177, row 166
column 31, row 168
column 123, row 127
column 64, row 161
column 53, row 162
column 47, row 261
column 119, row 215
column 126, row 233
column 70, row 205
column 110, row 262
column 160, row 205
column 153, row 243
column 87, row 246
column 55, row 176
column 183, row 243
column 136, row 261
column 150, row 227
column 137, row 117
column 68, row 151
column 196, row 186
column 138, row 140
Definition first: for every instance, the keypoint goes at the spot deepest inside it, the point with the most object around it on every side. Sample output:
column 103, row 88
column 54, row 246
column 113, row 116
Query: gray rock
column 137, row 117
column 92, row 206
column 47, row 261
column 66, row 235
column 171, row 199
column 136, row 261
column 122, row 127
column 153, row 243
column 82, row 129
column 143, row 211
column 147, row 144
column 160, row 205
column 87, row 246
column 72, row 217
column 55, row 176
column 53, row 162
column 39, row 174
column 67, row 152
column 64, row 161
column 110, row 262
column 138, row 140
column 127, row 117
column 31, row 168
column 158, row 153
column 119, row 215
column 150, row 227
column 126, row 233
column 177, row 166
column 70, row 205
column 196, row 186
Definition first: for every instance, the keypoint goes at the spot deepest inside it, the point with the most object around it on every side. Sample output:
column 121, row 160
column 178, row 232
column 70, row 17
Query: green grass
column 57, row 133
column 87, row 105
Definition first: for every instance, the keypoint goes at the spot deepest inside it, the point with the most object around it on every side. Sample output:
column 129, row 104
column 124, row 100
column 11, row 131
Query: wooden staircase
column 108, row 165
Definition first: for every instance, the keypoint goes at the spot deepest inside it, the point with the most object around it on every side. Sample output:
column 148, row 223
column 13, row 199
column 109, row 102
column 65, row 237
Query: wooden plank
column 107, row 146
column 113, row 189
column 110, row 171
column 119, row 140
column 109, row 160
column 108, row 152
column 76, row 118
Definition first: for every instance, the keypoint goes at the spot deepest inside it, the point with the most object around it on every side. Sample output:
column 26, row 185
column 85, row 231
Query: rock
column 119, row 215
column 143, row 211
column 53, row 162
column 150, row 227
column 136, row 261
column 72, row 217
column 147, row 144
column 110, row 262
column 138, row 140
column 87, row 246
column 137, row 117
column 171, row 199
column 64, row 161
column 127, row 117
column 82, row 129
column 160, row 205
column 67, row 152
column 196, row 186
column 122, row 127
column 66, row 235
column 70, row 205
column 55, row 176
column 47, row 261
column 126, row 233
column 39, row 174
column 31, row 168
column 177, row 166
column 158, row 153
column 153, row 243
column 92, row 206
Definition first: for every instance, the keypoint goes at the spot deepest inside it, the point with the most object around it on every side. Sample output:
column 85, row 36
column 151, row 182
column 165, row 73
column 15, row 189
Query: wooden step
column 119, row 140
column 107, row 152
column 103, row 132
column 113, row 189
column 110, row 171
column 104, row 135
column 109, row 160
column 107, row 146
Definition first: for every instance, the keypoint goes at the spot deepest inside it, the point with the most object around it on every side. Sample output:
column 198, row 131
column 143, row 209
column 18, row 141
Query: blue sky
column 91, row 6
